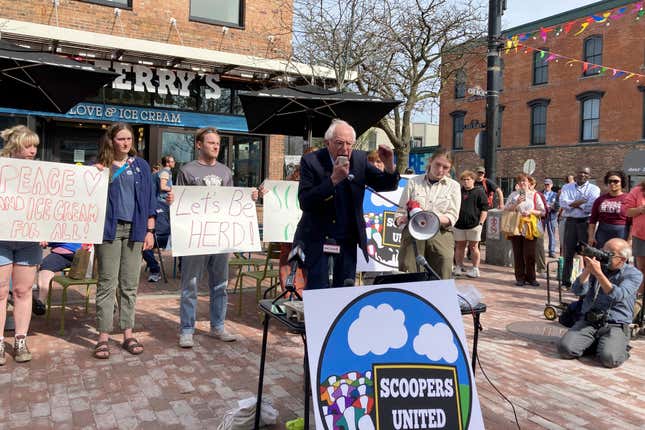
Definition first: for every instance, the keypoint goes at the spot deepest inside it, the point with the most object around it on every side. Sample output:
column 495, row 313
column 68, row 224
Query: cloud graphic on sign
column 436, row 342
column 376, row 330
column 390, row 195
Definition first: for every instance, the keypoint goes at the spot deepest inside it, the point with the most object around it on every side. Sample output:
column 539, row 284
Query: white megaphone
column 423, row 225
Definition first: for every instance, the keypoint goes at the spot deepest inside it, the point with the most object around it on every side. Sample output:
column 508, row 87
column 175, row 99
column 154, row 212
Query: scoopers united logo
column 391, row 360
column 383, row 237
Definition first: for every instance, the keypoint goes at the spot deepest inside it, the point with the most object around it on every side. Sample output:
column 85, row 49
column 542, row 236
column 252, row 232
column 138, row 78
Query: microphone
column 296, row 257
column 421, row 261
column 331, row 248
column 350, row 177
column 348, row 282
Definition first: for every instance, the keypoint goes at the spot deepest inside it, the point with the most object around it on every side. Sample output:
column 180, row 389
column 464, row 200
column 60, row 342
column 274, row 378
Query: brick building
column 181, row 65
column 553, row 110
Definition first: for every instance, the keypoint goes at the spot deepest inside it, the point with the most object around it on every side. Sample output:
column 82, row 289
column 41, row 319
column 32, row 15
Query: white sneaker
column 458, row 270
column 186, row 340
column 223, row 335
column 473, row 273
column 154, row 277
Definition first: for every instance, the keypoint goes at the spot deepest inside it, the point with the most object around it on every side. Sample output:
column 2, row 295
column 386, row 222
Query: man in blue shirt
column 551, row 213
column 609, row 292
column 576, row 200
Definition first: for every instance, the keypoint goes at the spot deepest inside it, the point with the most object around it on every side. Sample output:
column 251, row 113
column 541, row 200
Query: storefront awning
column 81, row 38
column 45, row 82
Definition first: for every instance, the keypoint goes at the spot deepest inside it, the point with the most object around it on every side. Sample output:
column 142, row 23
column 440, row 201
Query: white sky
column 520, row 12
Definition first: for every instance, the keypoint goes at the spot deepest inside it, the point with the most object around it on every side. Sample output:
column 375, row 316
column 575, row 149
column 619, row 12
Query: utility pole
column 493, row 80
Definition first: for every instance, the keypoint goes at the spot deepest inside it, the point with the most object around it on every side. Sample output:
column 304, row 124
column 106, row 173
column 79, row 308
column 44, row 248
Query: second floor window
column 590, row 119
column 540, row 68
column 118, row 3
column 460, row 84
column 458, row 129
column 593, row 54
column 538, row 121
column 225, row 12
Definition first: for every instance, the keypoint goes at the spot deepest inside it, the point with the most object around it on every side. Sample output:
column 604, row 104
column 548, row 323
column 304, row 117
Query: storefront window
column 180, row 145
column 247, row 160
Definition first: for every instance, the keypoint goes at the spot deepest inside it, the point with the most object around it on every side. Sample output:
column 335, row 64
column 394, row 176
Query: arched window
column 593, row 54
column 538, row 121
column 590, row 115
column 460, row 84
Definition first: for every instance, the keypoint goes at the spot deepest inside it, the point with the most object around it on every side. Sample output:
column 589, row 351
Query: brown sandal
column 131, row 345
column 102, row 350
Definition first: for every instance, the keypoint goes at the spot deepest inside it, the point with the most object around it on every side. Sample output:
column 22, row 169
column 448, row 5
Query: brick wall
column 621, row 107
column 150, row 19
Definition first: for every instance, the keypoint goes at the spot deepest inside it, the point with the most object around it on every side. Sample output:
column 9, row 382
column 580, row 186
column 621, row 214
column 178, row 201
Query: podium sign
column 390, row 357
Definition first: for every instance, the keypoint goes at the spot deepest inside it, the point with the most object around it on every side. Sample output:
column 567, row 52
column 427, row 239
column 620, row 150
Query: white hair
column 329, row 134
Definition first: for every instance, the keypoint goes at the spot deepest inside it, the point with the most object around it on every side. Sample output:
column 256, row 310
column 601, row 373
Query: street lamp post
column 493, row 80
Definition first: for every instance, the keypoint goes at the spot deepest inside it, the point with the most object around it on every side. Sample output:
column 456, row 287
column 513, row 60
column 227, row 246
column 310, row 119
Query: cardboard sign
column 213, row 220
column 53, row 202
column 281, row 211
column 383, row 237
column 390, row 357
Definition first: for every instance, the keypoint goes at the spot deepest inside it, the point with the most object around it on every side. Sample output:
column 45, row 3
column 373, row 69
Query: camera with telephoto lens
column 591, row 252
column 596, row 317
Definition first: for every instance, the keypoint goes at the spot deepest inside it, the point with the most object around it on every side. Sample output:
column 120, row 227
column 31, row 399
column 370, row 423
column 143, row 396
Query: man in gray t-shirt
column 206, row 170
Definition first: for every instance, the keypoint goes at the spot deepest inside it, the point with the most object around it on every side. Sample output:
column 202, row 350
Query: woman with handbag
column 529, row 209
column 129, row 228
column 18, row 260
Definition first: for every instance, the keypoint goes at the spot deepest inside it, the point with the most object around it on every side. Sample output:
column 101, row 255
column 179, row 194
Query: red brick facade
column 266, row 33
column 150, row 20
column 621, row 124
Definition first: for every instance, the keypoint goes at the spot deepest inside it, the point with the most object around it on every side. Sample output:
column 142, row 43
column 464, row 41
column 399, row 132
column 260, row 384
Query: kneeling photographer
column 609, row 288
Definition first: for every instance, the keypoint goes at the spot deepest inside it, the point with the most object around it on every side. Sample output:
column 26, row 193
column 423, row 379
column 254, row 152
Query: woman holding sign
column 18, row 260
column 129, row 228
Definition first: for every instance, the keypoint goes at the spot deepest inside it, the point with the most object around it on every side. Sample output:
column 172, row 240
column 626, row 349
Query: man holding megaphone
column 437, row 193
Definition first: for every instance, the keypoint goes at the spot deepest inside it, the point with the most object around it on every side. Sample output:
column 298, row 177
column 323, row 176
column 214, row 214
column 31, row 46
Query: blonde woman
column 531, row 208
column 18, row 260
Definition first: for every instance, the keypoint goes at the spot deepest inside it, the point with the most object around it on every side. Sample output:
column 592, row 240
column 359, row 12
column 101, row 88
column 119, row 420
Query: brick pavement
column 167, row 387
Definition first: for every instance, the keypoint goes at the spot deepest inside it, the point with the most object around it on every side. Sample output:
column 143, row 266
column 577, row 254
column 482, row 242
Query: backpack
column 490, row 195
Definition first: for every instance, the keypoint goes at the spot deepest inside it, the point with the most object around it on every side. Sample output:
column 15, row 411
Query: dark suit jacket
column 316, row 196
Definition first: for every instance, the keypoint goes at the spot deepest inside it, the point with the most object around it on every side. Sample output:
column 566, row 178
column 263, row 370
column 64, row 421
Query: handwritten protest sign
column 213, row 220
column 281, row 211
column 53, row 202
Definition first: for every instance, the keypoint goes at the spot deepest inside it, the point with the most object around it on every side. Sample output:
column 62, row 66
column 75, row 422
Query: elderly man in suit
column 332, row 185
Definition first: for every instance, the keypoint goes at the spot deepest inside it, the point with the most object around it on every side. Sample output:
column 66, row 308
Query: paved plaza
column 168, row 387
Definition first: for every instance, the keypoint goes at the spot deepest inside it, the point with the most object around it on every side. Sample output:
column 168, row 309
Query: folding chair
column 267, row 272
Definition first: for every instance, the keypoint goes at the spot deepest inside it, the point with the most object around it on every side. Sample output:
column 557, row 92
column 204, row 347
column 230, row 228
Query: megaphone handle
column 416, row 253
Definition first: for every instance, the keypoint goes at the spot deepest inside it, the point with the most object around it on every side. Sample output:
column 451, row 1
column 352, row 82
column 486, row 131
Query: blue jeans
column 191, row 272
column 151, row 261
column 551, row 223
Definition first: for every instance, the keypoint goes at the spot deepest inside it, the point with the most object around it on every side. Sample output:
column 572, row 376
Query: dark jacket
column 144, row 203
column 316, row 196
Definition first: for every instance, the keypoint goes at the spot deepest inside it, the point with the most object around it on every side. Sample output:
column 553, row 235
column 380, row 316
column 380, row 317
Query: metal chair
column 65, row 281
column 239, row 261
column 267, row 272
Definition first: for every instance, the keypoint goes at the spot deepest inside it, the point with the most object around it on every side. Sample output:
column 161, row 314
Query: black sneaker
column 38, row 307
column 534, row 283
column 519, row 283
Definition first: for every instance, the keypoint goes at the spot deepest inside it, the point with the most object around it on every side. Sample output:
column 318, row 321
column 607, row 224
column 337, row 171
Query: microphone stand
column 289, row 287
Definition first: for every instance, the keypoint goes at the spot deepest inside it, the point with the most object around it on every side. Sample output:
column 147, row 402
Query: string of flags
column 549, row 56
column 515, row 43
column 580, row 25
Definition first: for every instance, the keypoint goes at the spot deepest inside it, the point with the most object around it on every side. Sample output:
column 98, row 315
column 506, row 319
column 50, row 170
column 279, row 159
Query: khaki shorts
column 471, row 235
